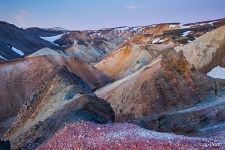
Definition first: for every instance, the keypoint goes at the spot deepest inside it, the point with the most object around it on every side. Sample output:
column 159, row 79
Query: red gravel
column 84, row 135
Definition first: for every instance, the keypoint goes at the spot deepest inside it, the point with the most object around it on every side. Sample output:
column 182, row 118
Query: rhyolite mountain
column 110, row 88
column 30, row 73
column 92, row 45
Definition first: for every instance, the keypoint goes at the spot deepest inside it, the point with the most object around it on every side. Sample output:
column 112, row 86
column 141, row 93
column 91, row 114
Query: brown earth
column 169, row 83
column 208, row 51
column 63, row 97
column 19, row 79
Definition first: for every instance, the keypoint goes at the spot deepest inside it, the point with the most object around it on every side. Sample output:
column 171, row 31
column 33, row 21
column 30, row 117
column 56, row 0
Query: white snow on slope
column 122, row 28
column 51, row 39
column 217, row 72
column 2, row 57
column 18, row 51
column 184, row 26
column 186, row 33
column 172, row 26
column 155, row 40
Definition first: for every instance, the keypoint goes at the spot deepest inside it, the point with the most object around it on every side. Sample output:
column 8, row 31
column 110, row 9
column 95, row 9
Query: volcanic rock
column 169, row 83
column 19, row 79
column 208, row 51
column 199, row 120
column 130, row 58
column 63, row 97
column 84, row 135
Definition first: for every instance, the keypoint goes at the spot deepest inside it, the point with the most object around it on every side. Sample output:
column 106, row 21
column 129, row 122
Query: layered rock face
column 62, row 98
column 141, row 49
column 47, row 99
column 208, row 51
column 130, row 58
column 204, row 119
column 167, row 84
column 20, row 78
column 170, row 95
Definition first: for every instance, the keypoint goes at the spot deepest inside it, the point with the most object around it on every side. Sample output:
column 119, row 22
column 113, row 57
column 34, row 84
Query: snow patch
column 2, row 57
column 186, row 33
column 217, row 72
column 51, row 39
column 172, row 26
column 212, row 23
column 122, row 28
column 184, row 26
column 18, row 51
column 136, row 29
column 99, row 34
column 155, row 40
column 162, row 40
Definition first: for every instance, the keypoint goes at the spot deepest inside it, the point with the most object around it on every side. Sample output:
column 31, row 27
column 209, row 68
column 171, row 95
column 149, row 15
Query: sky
column 96, row 14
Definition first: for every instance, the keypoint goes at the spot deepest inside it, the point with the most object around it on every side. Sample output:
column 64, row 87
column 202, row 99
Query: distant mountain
column 92, row 45
column 45, row 32
column 141, row 49
column 208, row 51
column 16, row 42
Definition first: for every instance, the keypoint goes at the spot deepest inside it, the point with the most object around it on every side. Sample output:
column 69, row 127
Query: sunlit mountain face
column 76, row 76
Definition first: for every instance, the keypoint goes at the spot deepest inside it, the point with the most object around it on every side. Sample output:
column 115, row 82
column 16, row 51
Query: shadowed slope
column 19, row 78
column 62, row 97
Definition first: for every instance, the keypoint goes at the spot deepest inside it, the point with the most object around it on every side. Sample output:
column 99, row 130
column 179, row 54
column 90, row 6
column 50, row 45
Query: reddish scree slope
column 92, row 136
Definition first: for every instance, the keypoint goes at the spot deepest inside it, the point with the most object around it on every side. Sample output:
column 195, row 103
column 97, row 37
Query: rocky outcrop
column 131, row 57
column 83, row 46
column 168, row 84
column 92, row 136
column 170, row 95
column 139, row 50
column 63, row 97
column 208, row 51
column 205, row 117
column 19, row 79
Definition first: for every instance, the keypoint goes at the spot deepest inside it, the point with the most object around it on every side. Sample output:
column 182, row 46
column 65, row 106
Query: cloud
column 132, row 7
column 21, row 17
